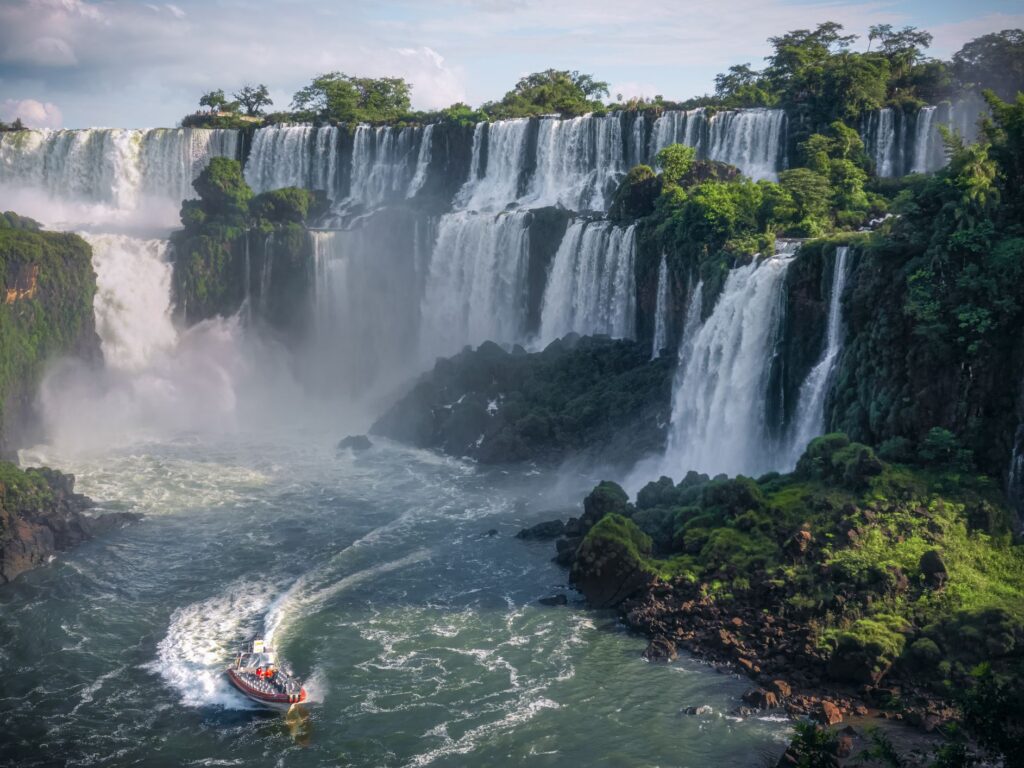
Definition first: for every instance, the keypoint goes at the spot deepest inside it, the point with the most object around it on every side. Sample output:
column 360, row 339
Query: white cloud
column 34, row 114
column 42, row 52
column 175, row 11
column 435, row 85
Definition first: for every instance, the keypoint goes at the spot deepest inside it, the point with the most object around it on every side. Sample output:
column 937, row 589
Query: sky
column 136, row 63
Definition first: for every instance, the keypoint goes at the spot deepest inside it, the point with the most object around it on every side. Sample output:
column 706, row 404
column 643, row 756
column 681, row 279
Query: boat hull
column 278, row 701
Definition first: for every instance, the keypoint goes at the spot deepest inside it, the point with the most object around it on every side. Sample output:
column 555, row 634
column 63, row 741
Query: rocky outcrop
column 592, row 395
column 48, row 286
column 40, row 514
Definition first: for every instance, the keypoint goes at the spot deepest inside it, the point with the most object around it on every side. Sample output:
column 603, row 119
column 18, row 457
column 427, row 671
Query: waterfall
column 476, row 284
column 293, row 156
column 422, row 161
column 118, row 169
column 384, row 160
column 591, row 288
column 133, row 299
column 926, row 137
column 718, row 407
column 365, row 308
column 661, row 310
column 751, row 139
column 499, row 155
column 810, row 412
column 579, row 162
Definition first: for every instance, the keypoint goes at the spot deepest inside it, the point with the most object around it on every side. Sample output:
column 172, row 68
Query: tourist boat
column 255, row 673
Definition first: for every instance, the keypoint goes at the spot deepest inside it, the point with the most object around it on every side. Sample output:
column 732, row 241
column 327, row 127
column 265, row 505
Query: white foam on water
column 202, row 639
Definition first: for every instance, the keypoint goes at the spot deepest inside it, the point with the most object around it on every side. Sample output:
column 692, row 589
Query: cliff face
column 48, row 286
column 40, row 514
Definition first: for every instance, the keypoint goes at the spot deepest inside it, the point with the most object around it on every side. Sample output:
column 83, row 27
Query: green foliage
column 577, row 394
column 223, row 190
column 290, row 204
column 11, row 220
column 341, row 98
column 254, row 99
column 993, row 61
column 553, row 91
column 992, row 711
column 215, row 101
column 675, row 162
column 47, row 310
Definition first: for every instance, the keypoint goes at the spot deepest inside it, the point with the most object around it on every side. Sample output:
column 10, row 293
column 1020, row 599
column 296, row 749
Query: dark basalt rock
column 41, row 514
column 546, row 531
column 554, row 600
column 355, row 443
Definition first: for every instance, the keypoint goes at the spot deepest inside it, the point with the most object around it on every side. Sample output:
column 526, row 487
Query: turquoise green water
column 418, row 634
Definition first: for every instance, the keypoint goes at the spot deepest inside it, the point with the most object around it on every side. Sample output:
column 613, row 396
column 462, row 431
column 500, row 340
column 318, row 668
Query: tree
column 253, row 99
column 565, row 92
column 341, row 98
column 675, row 162
column 903, row 48
column 993, row 61
column 215, row 101
column 742, row 87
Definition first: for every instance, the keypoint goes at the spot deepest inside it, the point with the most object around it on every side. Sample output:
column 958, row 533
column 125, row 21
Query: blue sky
column 136, row 63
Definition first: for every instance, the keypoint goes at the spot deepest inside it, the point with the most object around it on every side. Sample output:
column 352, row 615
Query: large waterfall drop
column 120, row 171
column 810, row 412
column 591, row 288
column 476, row 284
column 751, row 139
column 660, row 337
column 495, row 181
column 293, row 156
column 578, row 162
column 718, row 408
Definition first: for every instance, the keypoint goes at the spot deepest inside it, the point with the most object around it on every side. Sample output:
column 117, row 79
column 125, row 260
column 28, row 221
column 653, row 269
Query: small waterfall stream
column 661, row 311
column 810, row 412
column 718, row 407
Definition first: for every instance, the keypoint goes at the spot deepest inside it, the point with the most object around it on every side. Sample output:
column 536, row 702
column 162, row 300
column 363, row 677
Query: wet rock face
column 40, row 514
column 545, row 531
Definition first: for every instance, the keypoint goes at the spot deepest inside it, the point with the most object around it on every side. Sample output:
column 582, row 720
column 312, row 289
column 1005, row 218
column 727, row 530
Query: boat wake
column 201, row 640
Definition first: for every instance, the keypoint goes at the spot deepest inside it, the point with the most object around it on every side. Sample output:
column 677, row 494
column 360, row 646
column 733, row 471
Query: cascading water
column 591, row 288
column 925, row 144
column 810, row 412
column 476, row 284
column 899, row 143
column 751, row 139
column 660, row 338
column 718, row 407
column 294, row 156
column 365, row 309
column 384, row 161
column 120, row 170
column 133, row 299
column 422, row 161
column 579, row 162
column 494, row 182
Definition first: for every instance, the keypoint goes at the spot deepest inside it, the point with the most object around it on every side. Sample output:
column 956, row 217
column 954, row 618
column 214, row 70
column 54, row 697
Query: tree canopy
column 567, row 93
column 338, row 97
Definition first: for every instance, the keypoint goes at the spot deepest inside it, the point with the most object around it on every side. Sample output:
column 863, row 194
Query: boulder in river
column 355, row 443
column 546, row 531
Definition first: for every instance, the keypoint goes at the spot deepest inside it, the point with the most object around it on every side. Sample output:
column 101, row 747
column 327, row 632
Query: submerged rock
column 355, row 443
column 551, row 529
column 554, row 600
